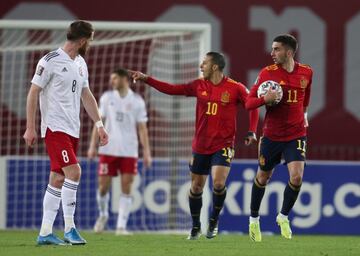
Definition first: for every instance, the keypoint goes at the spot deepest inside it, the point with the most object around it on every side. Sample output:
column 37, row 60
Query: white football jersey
column 122, row 114
column 62, row 80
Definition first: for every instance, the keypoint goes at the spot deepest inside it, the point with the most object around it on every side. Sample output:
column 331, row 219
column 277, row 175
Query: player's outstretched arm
column 91, row 108
column 171, row 89
column 30, row 134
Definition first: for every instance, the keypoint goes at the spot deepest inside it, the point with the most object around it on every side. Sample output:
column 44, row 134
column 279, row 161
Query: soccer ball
column 265, row 87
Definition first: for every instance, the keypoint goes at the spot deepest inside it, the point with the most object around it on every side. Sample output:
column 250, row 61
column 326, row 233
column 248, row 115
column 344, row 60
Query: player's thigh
column 295, row 150
column 269, row 153
column 198, row 182
column 263, row 177
column 220, row 166
column 61, row 149
column 72, row 172
column 295, row 155
column 126, row 181
column 200, row 164
column 56, row 179
column 296, row 172
column 219, row 175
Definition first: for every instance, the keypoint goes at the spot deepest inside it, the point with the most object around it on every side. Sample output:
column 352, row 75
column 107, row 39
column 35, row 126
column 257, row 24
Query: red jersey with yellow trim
column 216, row 110
column 284, row 121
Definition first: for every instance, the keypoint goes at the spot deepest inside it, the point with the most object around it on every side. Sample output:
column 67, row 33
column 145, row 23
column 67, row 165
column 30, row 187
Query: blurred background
column 329, row 38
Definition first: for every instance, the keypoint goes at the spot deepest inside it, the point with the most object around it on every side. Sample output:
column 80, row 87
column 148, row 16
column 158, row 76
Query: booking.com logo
column 308, row 210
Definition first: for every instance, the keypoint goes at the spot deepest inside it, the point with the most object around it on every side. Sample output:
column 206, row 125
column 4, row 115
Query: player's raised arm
column 91, row 108
column 30, row 134
column 171, row 89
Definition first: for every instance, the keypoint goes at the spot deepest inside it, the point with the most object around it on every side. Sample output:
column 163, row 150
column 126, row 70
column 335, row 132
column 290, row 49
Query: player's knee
column 196, row 188
column 263, row 178
column 73, row 172
column 56, row 180
column 126, row 189
column 103, row 190
column 218, row 185
column 296, row 179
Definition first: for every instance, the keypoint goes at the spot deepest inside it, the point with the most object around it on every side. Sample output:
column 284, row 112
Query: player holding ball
column 284, row 88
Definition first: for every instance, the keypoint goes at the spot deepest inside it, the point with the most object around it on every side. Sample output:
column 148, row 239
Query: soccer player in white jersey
column 61, row 80
column 125, row 118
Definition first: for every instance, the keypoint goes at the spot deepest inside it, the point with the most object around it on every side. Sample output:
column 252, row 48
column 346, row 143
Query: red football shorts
column 61, row 149
column 112, row 165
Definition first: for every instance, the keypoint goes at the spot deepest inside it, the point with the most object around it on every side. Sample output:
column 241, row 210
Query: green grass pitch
column 22, row 243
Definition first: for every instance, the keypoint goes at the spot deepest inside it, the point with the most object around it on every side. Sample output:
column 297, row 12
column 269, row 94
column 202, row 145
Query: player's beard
column 83, row 49
column 280, row 60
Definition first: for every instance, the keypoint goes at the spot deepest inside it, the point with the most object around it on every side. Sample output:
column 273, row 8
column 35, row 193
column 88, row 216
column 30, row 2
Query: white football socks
column 51, row 205
column 68, row 199
column 125, row 203
column 254, row 219
column 103, row 204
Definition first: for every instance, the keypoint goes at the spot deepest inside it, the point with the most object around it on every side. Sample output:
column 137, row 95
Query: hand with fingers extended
column 30, row 137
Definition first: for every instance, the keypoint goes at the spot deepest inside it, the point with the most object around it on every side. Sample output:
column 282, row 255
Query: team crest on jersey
column 225, row 97
column 81, row 71
column 262, row 160
column 40, row 70
column 303, row 82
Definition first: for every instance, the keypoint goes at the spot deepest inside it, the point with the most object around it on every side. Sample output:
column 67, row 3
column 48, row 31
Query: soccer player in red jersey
column 284, row 131
column 218, row 98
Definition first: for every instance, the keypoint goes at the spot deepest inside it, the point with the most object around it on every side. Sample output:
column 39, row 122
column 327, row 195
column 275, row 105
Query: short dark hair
column 121, row 72
column 79, row 29
column 218, row 59
column 287, row 40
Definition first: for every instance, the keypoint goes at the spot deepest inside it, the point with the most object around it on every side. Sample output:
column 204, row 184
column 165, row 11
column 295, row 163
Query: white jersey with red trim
column 62, row 80
column 122, row 114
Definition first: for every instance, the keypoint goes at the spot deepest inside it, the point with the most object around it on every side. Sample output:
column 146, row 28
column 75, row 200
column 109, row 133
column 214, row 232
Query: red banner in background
column 329, row 38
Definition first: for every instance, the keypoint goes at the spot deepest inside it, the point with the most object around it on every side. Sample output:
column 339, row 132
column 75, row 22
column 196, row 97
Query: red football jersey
column 216, row 110
column 284, row 121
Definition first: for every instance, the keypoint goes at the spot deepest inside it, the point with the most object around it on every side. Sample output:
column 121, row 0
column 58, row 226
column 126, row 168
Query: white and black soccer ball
column 265, row 87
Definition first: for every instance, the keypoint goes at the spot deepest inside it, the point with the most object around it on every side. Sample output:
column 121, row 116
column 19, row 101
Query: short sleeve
column 86, row 74
column 102, row 105
column 43, row 73
column 141, row 114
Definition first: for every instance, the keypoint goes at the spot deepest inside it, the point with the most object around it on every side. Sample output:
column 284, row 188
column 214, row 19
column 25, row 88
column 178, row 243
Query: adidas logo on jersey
column 64, row 70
